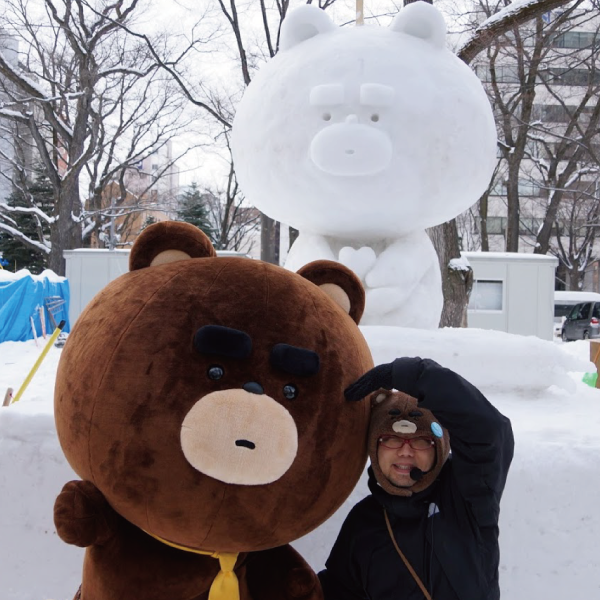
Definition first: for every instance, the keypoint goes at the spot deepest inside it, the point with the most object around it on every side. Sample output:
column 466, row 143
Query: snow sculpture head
column 364, row 131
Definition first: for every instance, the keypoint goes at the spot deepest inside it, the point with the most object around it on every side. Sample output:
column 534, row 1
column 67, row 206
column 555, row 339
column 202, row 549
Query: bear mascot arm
column 200, row 399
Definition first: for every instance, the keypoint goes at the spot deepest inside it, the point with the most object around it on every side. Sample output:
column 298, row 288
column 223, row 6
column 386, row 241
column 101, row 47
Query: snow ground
column 550, row 519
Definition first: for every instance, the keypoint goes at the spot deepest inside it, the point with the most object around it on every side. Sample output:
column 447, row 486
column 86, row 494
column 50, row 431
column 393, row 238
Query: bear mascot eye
column 215, row 372
column 290, row 391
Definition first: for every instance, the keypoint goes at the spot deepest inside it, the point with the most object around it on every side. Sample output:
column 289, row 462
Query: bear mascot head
column 200, row 399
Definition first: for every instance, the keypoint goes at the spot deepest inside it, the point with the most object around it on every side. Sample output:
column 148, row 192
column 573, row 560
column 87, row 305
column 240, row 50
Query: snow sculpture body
column 362, row 137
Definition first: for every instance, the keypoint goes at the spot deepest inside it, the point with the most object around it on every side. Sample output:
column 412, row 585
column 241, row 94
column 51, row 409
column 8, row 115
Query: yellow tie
column 225, row 586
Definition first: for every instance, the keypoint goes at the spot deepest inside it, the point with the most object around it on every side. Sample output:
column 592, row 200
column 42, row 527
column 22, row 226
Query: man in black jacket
column 438, row 510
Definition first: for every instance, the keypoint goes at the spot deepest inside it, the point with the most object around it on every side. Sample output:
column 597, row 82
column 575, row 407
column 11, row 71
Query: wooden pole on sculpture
column 594, row 357
column 8, row 397
column 42, row 321
column 360, row 17
column 33, row 330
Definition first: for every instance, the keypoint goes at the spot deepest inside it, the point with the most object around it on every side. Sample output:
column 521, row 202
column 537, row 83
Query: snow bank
column 494, row 361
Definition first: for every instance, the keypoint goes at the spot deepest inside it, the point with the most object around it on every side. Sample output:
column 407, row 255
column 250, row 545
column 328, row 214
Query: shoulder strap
column 404, row 559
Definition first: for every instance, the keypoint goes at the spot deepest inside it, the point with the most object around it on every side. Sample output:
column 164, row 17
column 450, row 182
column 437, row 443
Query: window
column 573, row 77
column 498, row 189
column 580, row 311
column 528, row 188
column 575, row 39
column 486, row 295
column 496, row 225
column 556, row 113
column 504, row 73
column 562, row 310
column 529, row 226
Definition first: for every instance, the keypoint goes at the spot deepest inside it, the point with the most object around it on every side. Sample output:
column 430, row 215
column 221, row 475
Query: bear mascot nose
column 253, row 387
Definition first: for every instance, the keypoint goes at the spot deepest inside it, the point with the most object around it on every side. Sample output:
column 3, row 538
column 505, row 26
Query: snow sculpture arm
column 402, row 265
column 403, row 283
column 82, row 515
column 306, row 248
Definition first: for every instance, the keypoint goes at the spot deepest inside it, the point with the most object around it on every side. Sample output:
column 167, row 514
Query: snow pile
column 550, row 519
column 494, row 361
column 45, row 274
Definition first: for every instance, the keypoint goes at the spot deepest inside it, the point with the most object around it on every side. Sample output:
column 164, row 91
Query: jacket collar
column 407, row 507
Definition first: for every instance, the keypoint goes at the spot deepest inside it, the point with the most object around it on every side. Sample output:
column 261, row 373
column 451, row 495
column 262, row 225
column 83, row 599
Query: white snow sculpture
column 362, row 137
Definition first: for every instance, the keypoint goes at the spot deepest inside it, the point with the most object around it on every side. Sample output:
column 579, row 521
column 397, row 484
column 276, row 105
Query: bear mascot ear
column 303, row 23
column 339, row 283
column 421, row 20
column 169, row 241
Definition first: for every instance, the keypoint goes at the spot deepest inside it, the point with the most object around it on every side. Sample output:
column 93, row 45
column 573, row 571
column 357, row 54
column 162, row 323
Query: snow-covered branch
column 19, row 235
column 514, row 14
column 24, row 210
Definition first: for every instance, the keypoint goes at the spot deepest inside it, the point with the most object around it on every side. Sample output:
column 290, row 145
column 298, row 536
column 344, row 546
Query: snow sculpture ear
column 423, row 21
column 339, row 283
column 169, row 241
column 303, row 23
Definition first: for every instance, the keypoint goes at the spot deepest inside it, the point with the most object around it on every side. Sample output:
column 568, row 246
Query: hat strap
column 404, row 559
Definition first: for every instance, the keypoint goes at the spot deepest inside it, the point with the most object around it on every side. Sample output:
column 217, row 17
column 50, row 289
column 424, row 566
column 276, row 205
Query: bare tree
column 544, row 85
column 233, row 220
column 487, row 23
column 252, row 45
column 575, row 231
column 93, row 101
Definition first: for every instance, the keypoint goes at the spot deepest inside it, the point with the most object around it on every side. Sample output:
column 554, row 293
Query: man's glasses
column 393, row 442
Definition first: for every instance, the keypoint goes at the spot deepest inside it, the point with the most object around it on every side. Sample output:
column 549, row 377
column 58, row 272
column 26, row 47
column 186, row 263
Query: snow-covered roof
column 576, row 297
column 509, row 257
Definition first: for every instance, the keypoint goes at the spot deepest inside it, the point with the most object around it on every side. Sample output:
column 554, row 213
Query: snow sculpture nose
column 351, row 149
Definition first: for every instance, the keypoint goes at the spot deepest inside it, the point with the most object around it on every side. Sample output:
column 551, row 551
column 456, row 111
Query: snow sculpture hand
column 360, row 261
column 82, row 515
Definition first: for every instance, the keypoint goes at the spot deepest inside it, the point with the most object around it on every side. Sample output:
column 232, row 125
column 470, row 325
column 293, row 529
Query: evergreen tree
column 16, row 253
column 193, row 210
column 150, row 220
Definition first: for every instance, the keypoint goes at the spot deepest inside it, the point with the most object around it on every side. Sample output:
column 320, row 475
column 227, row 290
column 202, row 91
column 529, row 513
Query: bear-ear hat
column 395, row 413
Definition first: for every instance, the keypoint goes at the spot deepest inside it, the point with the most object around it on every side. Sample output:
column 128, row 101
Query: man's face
column 396, row 463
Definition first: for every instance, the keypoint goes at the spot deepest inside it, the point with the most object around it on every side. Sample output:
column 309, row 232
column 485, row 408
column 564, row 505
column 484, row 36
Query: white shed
column 512, row 292
column 88, row 270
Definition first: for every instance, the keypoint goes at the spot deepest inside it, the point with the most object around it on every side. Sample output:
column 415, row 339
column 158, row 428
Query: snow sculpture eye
column 326, row 117
column 375, row 117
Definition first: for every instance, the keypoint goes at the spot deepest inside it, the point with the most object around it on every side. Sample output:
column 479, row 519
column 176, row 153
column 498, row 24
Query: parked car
column 564, row 303
column 582, row 323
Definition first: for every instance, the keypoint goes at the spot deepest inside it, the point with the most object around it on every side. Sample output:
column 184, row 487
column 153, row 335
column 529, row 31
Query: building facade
column 543, row 81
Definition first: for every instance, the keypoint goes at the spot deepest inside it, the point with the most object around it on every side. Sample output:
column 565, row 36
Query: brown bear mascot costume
column 200, row 399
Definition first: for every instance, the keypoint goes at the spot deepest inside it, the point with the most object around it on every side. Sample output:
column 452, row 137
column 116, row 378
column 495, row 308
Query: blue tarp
column 21, row 298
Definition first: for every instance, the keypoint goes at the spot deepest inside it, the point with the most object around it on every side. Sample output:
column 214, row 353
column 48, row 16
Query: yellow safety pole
column 38, row 362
